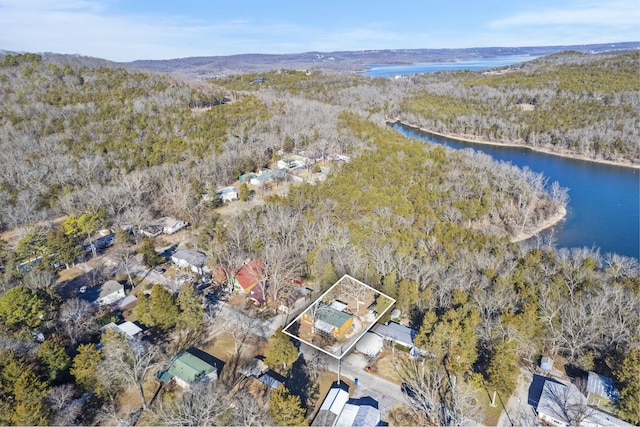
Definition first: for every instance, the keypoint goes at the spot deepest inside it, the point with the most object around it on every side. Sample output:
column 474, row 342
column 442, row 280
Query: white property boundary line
column 344, row 352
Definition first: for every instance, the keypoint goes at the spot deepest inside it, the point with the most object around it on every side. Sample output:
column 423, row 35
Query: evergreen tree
column 150, row 257
column 163, row 310
column 502, row 372
column 20, row 306
column 407, row 294
column 32, row 244
column 451, row 338
column 190, row 303
column 142, row 310
column 85, row 368
column 29, row 392
column 281, row 350
column 22, row 393
column 244, row 192
column 53, row 356
column 628, row 375
column 285, row 408
column 62, row 247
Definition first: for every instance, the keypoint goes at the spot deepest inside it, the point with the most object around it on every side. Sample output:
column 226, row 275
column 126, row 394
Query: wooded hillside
column 568, row 103
column 431, row 227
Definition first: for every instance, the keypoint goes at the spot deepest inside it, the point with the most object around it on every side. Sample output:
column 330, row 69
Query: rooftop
column 191, row 256
column 332, row 316
column 602, row 386
column 250, row 273
column 188, row 367
column 397, row 332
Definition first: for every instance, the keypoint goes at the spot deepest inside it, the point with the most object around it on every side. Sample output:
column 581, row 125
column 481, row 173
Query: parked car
column 159, row 270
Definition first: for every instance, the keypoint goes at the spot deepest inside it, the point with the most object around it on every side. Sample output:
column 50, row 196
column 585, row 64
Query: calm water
column 604, row 205
column 429, row 67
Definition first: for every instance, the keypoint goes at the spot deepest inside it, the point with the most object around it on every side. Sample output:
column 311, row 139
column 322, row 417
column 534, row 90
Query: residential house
column 101, row 240
column 172, row 225
column 563, row 404
column 190, row 367
column 227, row 194
column 166, row 225
column 292, row 162
column 338, row 410
column 397, row 333
column 329, row 320
column 546, row 364
column 191, row 259
column 295, row 300
column 263, row 177
column 332, row 405
column 362, row 412
column 249, row 278
column 254, row 368
column 107, row 293
column 271, row 379
column 127, row 303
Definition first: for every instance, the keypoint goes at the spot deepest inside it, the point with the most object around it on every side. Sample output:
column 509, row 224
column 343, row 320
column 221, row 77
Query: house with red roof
column 249, row 279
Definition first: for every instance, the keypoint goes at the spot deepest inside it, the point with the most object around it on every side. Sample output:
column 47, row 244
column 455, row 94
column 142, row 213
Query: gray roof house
column 338, row 410
column 190, row 258
column 107, row 293
column 563, row 404
column 397, row 333
column 602, row 386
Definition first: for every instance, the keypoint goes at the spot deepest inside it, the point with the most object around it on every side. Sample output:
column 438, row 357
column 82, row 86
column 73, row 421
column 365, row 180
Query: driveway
column 385, row 392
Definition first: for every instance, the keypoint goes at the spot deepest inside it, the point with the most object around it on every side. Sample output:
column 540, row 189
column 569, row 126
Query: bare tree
column 240, row 325
column 77, row 319
column 127, row 362
column 204, row 405
column 565, row 403
column 434, row 395
column 66, row 409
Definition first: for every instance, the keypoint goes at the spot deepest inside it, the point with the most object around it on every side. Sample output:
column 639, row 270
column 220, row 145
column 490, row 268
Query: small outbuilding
column 130, row 329
column 546, row 363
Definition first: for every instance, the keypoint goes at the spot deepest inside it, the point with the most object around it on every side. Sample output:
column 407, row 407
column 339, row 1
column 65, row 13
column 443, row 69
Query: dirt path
column 518, row 410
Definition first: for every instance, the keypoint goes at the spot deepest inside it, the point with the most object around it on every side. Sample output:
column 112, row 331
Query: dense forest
column 568, row 103
column 84, row 147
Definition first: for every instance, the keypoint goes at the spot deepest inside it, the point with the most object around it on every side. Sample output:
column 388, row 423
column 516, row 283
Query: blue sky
column 125, row 30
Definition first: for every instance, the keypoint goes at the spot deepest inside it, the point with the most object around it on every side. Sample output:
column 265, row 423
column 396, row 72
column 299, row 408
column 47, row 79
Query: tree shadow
column 300, row 383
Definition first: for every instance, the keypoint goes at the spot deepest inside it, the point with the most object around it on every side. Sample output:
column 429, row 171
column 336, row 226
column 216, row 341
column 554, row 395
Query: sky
column 126, row 30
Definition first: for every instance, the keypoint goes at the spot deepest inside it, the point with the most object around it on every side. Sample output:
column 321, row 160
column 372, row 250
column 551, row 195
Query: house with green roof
column 330, row 320
column 189, row 367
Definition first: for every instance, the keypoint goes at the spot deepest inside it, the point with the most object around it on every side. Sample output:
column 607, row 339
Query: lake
column 604, row 205
column 387, row 70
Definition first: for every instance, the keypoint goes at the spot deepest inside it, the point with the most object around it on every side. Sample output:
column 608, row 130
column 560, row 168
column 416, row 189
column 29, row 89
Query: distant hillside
column 212, row 66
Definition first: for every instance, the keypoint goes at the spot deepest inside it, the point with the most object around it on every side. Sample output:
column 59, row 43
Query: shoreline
column 548, row 223
column 476, row 140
